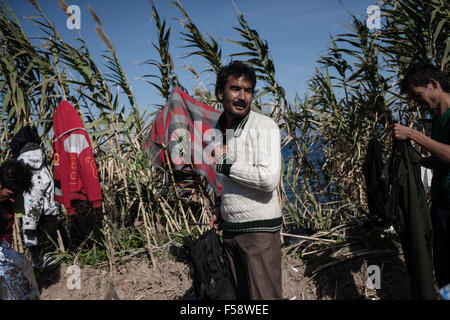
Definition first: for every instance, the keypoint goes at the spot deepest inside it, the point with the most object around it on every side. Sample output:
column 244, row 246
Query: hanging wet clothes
column 408, row 206
column 40, row 200
column 182, row 111
column 376, row 189
column 75, row 170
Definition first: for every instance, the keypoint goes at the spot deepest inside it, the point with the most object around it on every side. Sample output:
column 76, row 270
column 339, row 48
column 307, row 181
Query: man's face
column 6, row 194
column 425, row 97
column 236, row 97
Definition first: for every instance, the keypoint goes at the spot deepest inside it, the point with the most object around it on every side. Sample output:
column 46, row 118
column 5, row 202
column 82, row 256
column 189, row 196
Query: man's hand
column 6, row 194
column 215, row 219
column 401, row 132
column 438, row 149
column 219, row 150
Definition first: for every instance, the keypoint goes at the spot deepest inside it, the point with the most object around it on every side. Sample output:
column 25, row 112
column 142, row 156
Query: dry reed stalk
column 351, row 255
column 148, row 224
column 195, row 223
column 332, row 230
column 95, row 16
column 307, row 238
column 14, row 237
column 36, row 5
column 17, row 239
column 60, row 242
column 112, row 260
column 112, row 167
column 110, row 171
column 59, row 80
column 329, row 248
column 158, row 223
column 167, row 232
column 154, row 229
column 206, row 212
column 131, row 255
column 120, row 166
column 147, row 235
column 155, row 216
column 174, row 185
column 162, row 204
column 170, row 219
column 63, row 5
column 203, row 195
column 105, row 39
column 295, row 245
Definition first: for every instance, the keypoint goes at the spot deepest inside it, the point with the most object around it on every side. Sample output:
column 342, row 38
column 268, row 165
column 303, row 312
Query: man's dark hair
column 236, row 68
column 16, row 176
column 419, row 74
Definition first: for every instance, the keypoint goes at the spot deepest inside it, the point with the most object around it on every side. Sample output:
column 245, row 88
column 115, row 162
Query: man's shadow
column 341, row 271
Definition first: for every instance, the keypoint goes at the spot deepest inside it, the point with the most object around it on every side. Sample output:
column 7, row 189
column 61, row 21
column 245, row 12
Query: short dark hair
column 419, row 74
column 16, row 176
column 236, row 68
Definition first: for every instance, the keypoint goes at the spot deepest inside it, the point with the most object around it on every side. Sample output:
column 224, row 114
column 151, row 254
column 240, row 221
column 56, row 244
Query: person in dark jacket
column 15, row 178
column 427, row 87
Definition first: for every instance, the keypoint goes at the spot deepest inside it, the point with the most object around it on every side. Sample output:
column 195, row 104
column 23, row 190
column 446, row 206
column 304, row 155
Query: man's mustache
column 239, row 103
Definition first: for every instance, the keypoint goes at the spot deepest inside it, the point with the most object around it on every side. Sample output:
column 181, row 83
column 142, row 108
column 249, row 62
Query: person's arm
column 437, row 149
column 264, row 173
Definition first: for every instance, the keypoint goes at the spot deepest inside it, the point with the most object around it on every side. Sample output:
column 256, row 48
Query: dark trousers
column 441, row 245
column 255, row 261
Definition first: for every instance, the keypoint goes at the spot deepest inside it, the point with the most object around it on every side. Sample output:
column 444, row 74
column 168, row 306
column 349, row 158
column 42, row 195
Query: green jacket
column 408, row 205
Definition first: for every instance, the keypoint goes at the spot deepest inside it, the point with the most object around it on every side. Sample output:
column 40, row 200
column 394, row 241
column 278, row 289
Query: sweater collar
column 237, row 126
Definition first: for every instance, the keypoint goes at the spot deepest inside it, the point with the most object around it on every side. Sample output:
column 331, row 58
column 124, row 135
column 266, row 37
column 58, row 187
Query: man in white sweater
column 249, row 168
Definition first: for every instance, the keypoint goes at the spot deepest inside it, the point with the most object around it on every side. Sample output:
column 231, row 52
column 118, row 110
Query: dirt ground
column 172, row 280
column 325, row 272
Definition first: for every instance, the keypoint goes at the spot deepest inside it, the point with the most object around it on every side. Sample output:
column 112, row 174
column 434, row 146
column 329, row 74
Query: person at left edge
column 15, row 178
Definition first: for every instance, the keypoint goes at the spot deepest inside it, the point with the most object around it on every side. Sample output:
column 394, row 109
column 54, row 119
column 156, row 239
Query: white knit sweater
column 250, row 174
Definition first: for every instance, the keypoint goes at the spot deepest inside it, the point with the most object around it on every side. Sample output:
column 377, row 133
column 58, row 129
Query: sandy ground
column 172, row 280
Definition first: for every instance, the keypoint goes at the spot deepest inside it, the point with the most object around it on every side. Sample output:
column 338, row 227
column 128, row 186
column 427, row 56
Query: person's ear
column 220, row 95
column 435, row 84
